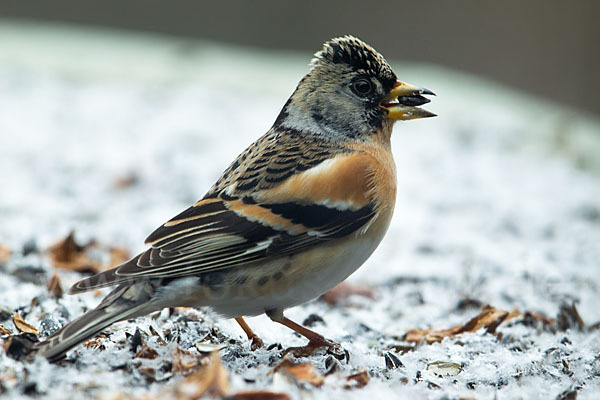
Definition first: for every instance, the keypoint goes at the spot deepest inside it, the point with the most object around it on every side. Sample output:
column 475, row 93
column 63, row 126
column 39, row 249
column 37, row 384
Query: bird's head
column 351, row 92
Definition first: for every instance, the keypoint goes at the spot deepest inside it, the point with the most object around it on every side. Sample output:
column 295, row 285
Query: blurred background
column 545, row 47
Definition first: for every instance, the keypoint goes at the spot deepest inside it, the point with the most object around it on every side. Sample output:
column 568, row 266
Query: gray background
column 547, row 47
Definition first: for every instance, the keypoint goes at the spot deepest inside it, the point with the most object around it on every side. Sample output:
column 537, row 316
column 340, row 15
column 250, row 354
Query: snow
column 498, row 201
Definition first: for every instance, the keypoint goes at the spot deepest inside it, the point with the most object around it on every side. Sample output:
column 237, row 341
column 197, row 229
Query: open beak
column 403, row 100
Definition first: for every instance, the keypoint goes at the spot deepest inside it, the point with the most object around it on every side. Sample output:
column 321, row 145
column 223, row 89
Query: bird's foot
column 256, row 344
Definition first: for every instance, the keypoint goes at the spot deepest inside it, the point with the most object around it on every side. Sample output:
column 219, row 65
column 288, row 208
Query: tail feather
column 122, row 303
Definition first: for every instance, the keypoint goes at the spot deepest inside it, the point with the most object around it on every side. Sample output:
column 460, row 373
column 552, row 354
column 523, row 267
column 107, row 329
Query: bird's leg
column 315, row 341
column 256, row 342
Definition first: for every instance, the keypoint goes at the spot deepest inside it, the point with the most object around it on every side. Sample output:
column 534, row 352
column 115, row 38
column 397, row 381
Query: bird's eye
column 362, row 87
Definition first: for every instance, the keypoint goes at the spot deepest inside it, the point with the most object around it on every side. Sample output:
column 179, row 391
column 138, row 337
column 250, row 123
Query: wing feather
column 232, row 227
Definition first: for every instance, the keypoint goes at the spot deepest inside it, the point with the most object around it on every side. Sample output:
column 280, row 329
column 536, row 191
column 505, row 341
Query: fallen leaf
column 515, row 313
column 184, row 361
column 403, row 348
column 4, row 254
column 5, row 331
column 259, row 396
column 148, row 372
column 211, row 379
column 305, row 372
column 54, row 286
column 95, row 343
column 23, row 326
column 157, row 335
column 67, row 254
column 417, row 335
column 344, row 290
column 532, row 316
column 444, row 368
column 147, row 352
column 489, row 318
column 358, row 380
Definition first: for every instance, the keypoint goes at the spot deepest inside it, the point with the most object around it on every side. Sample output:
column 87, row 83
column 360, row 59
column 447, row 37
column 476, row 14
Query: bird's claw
column 256, row 344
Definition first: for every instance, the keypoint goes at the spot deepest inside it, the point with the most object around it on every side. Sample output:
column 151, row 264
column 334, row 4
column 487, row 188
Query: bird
column 291, row 217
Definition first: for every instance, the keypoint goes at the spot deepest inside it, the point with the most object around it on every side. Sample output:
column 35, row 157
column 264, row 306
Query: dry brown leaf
column 358, row 380
column 67, row 254
column 416, row 335
column 4, row 254
column 147, row 352
column 515, row 313
column 23, row 326
column 184, row 361
column 149, row 372
column 259, row 396
column 305, row 372
column 212, row 379
column 530, row 316
column 95, row 343
column 488, row 318
column 54, row 286
column 344, row 290
column 5, row 331
column 159, row 338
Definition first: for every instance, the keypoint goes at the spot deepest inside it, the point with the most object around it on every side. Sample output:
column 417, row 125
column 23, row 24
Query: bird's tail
column 124, row 302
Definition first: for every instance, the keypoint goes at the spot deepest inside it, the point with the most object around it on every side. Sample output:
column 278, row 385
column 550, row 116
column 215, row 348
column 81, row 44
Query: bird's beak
column 403, row 100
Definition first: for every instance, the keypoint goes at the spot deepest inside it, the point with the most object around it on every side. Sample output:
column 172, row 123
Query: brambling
column 294, row 215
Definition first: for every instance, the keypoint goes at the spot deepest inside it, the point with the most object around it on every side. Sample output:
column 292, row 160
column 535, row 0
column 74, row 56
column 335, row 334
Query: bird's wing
column 326, row 202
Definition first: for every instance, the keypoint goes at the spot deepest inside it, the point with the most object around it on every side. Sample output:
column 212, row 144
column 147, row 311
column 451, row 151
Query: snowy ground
column 498, row 203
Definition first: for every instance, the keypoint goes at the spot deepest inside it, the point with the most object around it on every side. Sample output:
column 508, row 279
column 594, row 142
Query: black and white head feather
column 326, row 102
column 355, row 53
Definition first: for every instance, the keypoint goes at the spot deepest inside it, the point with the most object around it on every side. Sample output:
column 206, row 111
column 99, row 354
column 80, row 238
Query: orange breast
column 346, row 181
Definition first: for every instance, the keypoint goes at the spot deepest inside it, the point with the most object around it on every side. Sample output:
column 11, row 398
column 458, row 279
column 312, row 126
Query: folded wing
column 225, row 231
